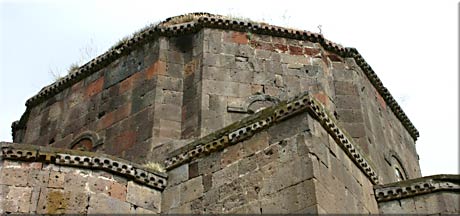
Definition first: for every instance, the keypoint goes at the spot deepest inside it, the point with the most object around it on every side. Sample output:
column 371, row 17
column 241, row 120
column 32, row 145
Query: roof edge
column 206, row 20
column 418, row 186
column 92, row 160
column 249, row 126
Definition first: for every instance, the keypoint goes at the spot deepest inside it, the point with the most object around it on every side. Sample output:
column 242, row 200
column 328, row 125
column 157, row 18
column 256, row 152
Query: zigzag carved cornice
column 419, row 186
column 247, row 127
column 219, row 22
column 89, row 160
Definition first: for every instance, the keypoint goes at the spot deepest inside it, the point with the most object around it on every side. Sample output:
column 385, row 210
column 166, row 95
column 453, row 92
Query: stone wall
column 170, row 85
column 133, row 104
column 362, row 111
column 30, row 184
column 291, row 166
column 115, row 102
column 439, row 194
column 238, row 65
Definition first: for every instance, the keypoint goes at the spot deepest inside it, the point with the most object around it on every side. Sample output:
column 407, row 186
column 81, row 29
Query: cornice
column 89, row 160
column 415, row 187
column 218, row 22
column 247, row 127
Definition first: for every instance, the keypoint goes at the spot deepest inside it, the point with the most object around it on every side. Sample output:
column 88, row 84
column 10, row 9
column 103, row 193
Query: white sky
column 411, row 45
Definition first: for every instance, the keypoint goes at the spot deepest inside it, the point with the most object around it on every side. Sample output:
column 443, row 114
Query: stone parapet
column 415, row 187
column 89, row 160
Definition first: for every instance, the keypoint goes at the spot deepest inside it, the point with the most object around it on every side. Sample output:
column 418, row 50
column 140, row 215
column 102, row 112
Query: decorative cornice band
column 213, row 21
column 232, row 135
column 416, row 187
column 90, row 160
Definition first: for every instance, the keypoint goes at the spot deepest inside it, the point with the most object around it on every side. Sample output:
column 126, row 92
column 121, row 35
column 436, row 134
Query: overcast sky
column 411, row 45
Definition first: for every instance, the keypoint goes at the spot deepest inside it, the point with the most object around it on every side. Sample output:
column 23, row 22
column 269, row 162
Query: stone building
column 245, row 117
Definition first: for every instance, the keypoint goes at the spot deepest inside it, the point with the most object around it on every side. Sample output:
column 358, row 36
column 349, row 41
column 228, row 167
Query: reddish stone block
column 77, row 86
column 138, row 78
column 281, row 47
column 159, row 67
column 95, row 87
column 323, row 98
column 190, row 67
column 240, row 38
column 262, row 45
column 126, row 85
column 295, row 50
column 107, row 120
column 334, row 57
column 311, row 51
column 118, row 191
column 124, row 141
column 122, row 112
column 381, row 101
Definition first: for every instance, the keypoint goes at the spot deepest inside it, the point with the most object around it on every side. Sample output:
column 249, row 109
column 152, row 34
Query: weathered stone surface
column 12, row 176
column 103, row 204
column 179, row 175
column 143, row 196
column 56, row 179
column 191, row 189
column 53, row 201
column 165, row 89
column 16, row 199
column 171, row 197
column 225, row 175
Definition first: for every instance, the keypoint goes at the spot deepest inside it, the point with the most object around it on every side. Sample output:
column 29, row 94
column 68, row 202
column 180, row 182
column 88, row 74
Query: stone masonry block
column 170, row 83
column 210, row 163
column 75, row 181
column 178, row 175
column 267, row 155
column 104, row 204
column 191, row 189
column 225, row 175
column 229, row 191
column 117, row 190
column 171, row 198
column 207, row 182
column 355, row 129
column 57, row 201
column 216, row 73
column 345, row 88
column 247, row 165
column 297, row 170
column 231, row 154
column 170, row 112
column 347, row 102
column 350, row 115
column 56, row 179
column 17, row 200
column 12, row 176
column 143, row 196
column 139, row 210
column 38, row 178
